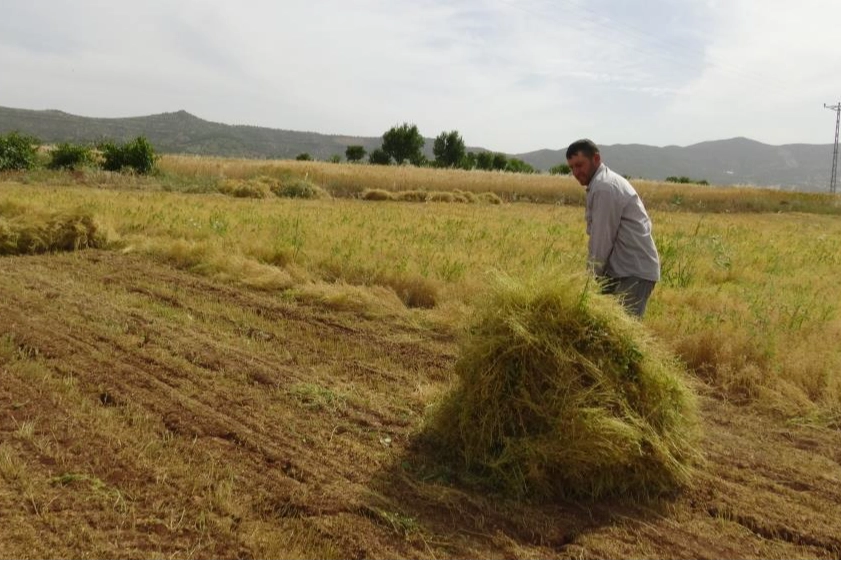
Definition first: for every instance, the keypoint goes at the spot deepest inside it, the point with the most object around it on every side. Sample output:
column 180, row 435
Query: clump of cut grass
column 35, row 232
column 8, row 348
column 274, row 254
column 465, row 196
column 420, row 196
column 299, row 189
column 489, row 198
column 205, row 259
column 442, row 197
column 561, row 394
column 729, row 359
column 414, row 290
column 263, row 186
column 377, row 195
column 371, row 301
column 245, row 189
column 350, row 180
column 415, row 196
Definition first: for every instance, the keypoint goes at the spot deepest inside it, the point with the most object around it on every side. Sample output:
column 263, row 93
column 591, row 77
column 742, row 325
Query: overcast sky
column 509, row 75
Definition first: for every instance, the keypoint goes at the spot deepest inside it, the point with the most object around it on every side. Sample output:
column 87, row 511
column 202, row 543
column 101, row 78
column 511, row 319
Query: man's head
column 584, row 159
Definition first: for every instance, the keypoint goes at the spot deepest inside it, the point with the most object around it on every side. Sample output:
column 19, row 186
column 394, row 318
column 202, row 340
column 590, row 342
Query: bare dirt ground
column 149, row 412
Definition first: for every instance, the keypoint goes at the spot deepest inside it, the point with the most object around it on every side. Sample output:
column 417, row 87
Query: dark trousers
column 633, row 292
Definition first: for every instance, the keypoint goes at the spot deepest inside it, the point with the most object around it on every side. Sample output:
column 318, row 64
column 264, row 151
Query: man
column 621, row 250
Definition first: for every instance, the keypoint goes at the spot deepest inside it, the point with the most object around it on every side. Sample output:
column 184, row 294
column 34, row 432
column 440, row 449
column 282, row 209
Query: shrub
column 18, row 152
column 683, row 179
column 71, row 156
column 137, row 155
column 303, row 157
column 676, row 179
column 560, row 169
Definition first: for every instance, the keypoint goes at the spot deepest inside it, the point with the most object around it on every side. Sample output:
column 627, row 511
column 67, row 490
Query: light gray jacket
column 619, row 229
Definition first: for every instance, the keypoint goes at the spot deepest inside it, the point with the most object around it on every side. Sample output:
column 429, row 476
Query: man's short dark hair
column 584, row 146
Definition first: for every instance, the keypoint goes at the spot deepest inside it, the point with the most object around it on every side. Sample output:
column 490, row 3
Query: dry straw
column 560, row 394
column 420, row 196
column 23, row 231
column 263, row 186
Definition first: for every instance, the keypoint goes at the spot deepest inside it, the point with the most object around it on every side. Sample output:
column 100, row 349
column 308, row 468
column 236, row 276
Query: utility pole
column 837, row 109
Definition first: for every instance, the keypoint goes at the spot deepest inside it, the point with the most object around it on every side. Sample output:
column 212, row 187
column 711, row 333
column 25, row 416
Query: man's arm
column 606, row 214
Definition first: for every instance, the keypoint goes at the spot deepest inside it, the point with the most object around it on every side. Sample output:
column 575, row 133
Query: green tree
column 335, row 159
column 355, row 153
column 18, row 152
column 485, row 160
column 304, row 157
column 515, row 165
column 379, row 157
column 469, row 161
column 403, row 143
column 500, row 161
column 560, row 169
column 448, row 149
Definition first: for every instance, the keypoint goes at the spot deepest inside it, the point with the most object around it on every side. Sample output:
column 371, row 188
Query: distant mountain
column 179, row 132
column 735, row 161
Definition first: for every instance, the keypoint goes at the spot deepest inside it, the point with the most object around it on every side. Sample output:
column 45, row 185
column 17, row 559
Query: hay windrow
column 420, row 196
column 26, row 232
column 560, row 394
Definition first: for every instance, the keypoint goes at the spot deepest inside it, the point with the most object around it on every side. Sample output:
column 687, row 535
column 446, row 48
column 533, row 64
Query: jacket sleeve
column 604, row 226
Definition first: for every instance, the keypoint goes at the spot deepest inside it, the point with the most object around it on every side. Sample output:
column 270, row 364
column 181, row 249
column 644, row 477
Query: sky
column 509, row 75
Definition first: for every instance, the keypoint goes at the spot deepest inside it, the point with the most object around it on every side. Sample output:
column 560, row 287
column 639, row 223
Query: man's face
column 583, row 167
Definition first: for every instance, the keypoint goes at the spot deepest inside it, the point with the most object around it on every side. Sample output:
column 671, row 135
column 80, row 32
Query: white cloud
column 512, row 75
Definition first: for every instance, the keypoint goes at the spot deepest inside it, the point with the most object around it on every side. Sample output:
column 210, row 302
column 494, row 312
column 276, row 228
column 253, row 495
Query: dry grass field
column 211, row 375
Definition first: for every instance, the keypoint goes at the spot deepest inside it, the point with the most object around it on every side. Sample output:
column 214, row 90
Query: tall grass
column 351, row 180
column 749, row 301
column 193, row 174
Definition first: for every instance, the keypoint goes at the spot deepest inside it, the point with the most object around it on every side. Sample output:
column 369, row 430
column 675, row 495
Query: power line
column 837, row 109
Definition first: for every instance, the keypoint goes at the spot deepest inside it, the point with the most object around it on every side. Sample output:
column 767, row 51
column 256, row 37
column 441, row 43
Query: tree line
column 403, row 144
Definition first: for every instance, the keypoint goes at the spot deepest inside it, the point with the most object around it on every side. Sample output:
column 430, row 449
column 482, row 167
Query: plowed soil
column 149, row 412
